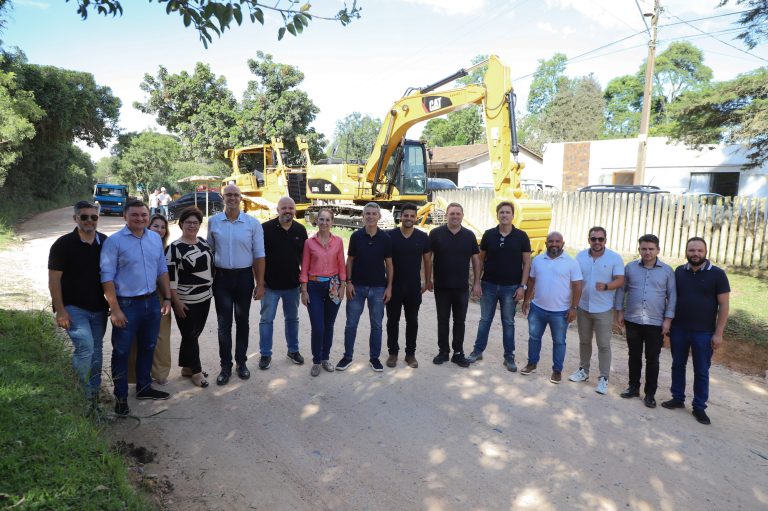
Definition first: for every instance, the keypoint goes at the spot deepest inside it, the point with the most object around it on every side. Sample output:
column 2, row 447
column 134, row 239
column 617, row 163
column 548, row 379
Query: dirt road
column 437, row 437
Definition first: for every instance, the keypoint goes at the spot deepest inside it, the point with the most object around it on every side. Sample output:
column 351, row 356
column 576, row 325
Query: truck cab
column 110, row 198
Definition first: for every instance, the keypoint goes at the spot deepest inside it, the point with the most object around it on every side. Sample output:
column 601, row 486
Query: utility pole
column 645, row 118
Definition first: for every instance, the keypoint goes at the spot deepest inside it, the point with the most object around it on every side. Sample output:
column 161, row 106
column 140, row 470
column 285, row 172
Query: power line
column 719, row 40
column 642, row 15
column 701, row 19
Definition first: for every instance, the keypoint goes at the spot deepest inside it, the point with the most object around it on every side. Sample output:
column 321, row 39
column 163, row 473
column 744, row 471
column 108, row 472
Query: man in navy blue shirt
column 369, row 278
column 701, row 314
column 132, row 267
column 410, row 247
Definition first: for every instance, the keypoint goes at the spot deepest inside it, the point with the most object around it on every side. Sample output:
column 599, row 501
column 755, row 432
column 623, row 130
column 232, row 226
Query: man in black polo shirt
column 78, row 299
column 284, row 245
column 453, row 246
column 701, row 314
column 369, row 277
column 505, row 255
column 410, row 247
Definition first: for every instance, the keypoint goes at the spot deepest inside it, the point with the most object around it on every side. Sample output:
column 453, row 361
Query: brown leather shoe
column 411, row 361
column 556, row 377
column 392, row 361
column 528, row 369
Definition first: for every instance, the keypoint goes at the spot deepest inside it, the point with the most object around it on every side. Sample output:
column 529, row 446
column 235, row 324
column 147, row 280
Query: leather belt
column 137, row 297
column 234, row 270
column 317, row 278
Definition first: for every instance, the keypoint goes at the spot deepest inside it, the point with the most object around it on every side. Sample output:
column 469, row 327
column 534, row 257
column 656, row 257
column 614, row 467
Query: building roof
column 461, row 153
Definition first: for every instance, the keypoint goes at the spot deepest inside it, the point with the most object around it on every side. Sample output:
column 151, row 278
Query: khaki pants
column 601, row 324
column 161, row 363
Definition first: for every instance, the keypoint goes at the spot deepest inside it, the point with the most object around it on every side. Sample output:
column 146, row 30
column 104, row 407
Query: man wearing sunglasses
column 505, row 259
column 76, row 294
column 603, row 272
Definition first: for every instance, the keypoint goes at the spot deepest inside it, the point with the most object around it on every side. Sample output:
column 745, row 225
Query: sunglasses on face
column 596, row 240
column 92, row 218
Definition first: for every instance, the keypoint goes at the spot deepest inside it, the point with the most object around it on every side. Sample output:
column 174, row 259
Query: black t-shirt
column 79, row 262
column 406, row 256
column 283, row 254
column 452, row 253
column 369, row 252
column 503, row 263
column 697, row 292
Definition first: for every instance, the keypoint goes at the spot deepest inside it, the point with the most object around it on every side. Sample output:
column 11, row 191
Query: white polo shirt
column 553, row 281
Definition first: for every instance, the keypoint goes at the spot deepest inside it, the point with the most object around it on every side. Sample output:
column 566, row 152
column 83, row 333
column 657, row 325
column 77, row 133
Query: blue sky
column 369, row 64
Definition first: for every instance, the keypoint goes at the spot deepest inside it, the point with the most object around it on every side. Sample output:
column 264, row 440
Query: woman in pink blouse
column 323, row 281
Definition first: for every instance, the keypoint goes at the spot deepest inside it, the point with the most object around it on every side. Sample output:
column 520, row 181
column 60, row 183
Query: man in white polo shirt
column 555, row 281
column 603, row 272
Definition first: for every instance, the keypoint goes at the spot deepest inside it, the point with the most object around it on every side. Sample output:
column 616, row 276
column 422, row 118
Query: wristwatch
column 525, row 287
column 167, row 299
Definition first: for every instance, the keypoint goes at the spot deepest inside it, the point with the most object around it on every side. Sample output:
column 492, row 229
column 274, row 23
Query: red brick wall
column 575, row 166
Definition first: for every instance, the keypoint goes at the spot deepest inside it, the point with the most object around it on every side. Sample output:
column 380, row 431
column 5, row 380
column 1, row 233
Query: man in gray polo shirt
column 603, row 272
column 645, row 305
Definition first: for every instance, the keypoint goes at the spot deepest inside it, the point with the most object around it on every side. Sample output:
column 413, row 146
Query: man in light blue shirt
column 603, row 272
column 237, row 241
column 132, row 267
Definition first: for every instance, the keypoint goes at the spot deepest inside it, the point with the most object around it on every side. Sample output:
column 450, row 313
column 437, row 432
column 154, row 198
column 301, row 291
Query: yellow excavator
column 396, row 171
column 258, row 170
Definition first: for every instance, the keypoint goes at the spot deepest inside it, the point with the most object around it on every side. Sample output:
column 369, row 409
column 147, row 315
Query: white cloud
column 452, row 7
column 606, row 13
column 564, row 31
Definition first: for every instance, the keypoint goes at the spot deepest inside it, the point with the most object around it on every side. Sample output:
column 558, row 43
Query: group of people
column 131, row 275
column 158, row 202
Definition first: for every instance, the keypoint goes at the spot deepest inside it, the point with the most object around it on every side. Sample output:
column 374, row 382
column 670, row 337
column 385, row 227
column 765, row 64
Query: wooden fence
column 735, row 228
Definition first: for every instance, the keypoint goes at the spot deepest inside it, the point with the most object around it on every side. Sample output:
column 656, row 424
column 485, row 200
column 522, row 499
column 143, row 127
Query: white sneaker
column 580, row 375
column 602, row 385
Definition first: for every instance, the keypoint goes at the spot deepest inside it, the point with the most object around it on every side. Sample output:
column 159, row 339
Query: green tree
column 754, row 19
column 355, row 136
column 106, row 170
column 274, row 106
column 76, row 109
column 199, row 108
column 575, row 113
column 18, row 112
column 147, row 163
column 623, row 103
column 548, row 79
column 734, row 111
column 462, row 127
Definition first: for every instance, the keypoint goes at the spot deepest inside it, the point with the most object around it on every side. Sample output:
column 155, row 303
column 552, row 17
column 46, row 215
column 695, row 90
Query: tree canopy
column 734, row 111
column 212, row 17
column 355, row 136
column 200, row 109
column 754, row 19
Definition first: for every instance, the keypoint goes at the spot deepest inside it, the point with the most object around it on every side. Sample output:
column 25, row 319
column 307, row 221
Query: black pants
column 190, row 328
column 447, row 301
column 233, row 293
column 650, row 338
column 409, row 299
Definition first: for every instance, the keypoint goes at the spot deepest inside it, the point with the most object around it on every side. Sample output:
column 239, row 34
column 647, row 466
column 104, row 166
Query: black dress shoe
column 630, row 392
column 243, row 372
column 701, row 416
column 673, row 403
column 441, row 358
column 460, row 360
column 223, row 377
column 649, row 401
column 121, row 407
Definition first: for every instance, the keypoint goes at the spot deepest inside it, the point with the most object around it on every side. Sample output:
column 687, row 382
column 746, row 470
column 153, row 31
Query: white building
column 670, row 166
column 469, row 165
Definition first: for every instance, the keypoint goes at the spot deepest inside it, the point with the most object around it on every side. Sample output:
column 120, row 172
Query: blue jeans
column 700, row 346
column 144, row 324
column 322, row 316
column 290, row 312
column 504, row 295
column 233, row 292
column 538, row 319
column 86, row 330
column 355, row 305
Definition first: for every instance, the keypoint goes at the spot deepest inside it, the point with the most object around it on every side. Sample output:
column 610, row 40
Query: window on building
column 724, row 183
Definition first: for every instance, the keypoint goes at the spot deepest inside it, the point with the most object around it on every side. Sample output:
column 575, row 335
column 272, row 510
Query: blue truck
column 110, row 198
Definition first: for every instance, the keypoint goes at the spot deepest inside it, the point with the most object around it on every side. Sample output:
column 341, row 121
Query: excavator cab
column 407, row 170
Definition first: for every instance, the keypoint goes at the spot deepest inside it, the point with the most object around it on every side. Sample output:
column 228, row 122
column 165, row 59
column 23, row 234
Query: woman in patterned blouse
column 190, row 269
